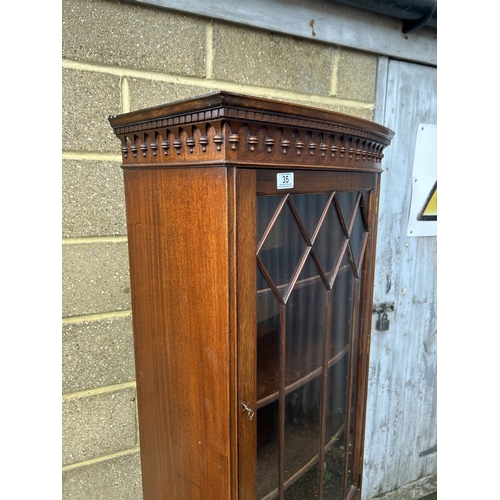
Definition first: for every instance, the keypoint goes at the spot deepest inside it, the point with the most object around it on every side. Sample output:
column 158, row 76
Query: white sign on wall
column 423, row 209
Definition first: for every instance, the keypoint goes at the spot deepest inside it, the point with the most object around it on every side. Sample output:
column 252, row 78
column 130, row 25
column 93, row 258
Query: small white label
column 285, row 180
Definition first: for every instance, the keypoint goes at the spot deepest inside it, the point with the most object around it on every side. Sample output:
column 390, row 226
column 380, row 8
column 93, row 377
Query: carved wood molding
column 264, row 133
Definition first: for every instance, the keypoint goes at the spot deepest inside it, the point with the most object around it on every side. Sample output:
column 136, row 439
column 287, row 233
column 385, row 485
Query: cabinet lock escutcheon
column 250, row 412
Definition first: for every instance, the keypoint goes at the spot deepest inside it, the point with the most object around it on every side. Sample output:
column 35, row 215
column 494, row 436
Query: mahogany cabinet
column 251, row 230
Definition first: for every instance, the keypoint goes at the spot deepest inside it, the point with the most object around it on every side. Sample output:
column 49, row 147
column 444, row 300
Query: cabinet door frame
column 246, row 307
column 249, row 183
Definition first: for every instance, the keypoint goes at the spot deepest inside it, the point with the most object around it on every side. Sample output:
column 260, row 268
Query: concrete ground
column 420, row 489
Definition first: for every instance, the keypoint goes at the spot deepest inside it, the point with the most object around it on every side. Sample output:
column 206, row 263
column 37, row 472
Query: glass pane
column 346, row 201
column 310, row 207
column 266, row 206
column 342, row 307
column 283, row 247
column 333, row 470
column 336, row 398
column 267, row 357
column 267, row 450
column 302, row 435
column 267, row 342
column 305, row 325
column 306, row 487
column 357, row 234
column 329, row 241
column 335, row 428
column 354, row 384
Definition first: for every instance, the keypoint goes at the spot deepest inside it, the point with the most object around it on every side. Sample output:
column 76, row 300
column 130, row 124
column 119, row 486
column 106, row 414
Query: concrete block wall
column 119, row 57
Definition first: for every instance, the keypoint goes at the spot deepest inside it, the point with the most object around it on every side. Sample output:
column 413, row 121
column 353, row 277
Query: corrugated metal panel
column 401, row 413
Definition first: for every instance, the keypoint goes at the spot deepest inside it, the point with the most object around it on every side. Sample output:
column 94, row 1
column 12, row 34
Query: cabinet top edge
column 223, row 99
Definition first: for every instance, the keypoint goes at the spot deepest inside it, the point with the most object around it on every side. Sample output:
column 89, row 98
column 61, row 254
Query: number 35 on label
column 284, row 180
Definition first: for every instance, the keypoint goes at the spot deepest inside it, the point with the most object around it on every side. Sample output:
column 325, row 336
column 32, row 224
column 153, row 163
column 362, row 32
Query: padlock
column 382, row 323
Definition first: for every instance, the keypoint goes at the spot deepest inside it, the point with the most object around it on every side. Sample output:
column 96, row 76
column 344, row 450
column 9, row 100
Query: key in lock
column 382, row 322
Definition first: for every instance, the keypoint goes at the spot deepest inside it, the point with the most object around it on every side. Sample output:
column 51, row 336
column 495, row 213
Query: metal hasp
column 383, row 307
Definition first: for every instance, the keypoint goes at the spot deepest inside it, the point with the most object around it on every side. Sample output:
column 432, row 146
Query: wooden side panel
column 178, row 238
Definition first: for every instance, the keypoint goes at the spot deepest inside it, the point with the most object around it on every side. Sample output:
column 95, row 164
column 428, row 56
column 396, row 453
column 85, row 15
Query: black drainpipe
column 415, row 14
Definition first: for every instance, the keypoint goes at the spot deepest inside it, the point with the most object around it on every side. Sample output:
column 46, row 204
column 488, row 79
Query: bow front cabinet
column 251, row 231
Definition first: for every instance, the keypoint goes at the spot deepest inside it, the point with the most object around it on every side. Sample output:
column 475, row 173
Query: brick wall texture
column 118, row 57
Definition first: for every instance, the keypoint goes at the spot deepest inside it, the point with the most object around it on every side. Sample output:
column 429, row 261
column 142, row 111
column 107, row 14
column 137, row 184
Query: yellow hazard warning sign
column 429, row 211
column 422, row 217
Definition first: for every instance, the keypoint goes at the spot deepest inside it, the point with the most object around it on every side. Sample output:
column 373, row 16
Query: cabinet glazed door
column 312, row 240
